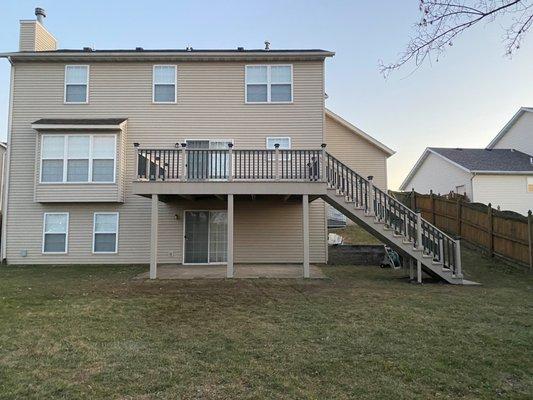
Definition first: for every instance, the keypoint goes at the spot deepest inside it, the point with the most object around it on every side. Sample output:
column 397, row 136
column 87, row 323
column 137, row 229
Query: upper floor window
column 283, row 142
column 269, row 83
column 77, row 84
column 78, row 158
column 164, row 84
column 530, row 185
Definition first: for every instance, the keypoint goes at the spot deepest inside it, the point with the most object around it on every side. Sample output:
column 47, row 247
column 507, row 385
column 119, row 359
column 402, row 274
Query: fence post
column 491, row 230
column 183, row 162
column 324, row 163
column 432, row 198
column 530, row 236
column 370, row 204
column 276, row 157
column 419, row 230
column 230, row 162
column 459, row 215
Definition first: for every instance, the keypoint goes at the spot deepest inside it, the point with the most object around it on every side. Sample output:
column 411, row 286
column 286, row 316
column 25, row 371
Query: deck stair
column 420, row 243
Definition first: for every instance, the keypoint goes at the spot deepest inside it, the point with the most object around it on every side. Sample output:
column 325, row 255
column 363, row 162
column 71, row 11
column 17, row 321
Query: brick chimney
column 34, row 36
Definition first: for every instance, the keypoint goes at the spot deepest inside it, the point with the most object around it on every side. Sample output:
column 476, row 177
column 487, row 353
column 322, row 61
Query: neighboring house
column 184, row 157
column 501, row 174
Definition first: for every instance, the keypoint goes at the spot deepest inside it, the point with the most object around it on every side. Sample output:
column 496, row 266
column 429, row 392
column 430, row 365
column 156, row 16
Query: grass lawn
column 353, row 234
column 92, row 332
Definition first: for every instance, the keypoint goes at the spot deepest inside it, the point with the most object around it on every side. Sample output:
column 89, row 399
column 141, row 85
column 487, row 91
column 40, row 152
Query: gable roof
column 359, row 132
column 509, row 125
column 478, row 161
column 487, row 160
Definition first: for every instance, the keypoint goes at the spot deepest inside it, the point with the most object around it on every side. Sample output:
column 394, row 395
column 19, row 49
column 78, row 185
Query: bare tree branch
column 442, row 21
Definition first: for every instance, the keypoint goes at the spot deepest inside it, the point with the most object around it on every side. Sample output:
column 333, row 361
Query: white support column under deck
column 305, row 227
column 153, row 236
column 229, row 270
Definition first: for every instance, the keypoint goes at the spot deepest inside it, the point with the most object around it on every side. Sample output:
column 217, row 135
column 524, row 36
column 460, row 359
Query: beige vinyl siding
column 84, row 192
column 519, row 136
column 210, row 104
column 359, row 154
column 35, row 37
column 27, row 35
column 509, row 192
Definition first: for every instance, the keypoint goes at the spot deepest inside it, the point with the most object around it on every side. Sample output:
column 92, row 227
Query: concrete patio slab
column 242, row 271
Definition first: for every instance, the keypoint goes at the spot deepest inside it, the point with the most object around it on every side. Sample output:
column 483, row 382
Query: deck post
column 305, row 227
column 370, row 205
column 136, row 147
column 411, row 269
column 323, row 165
column 419, row 244
column 153, row 236
column 230, row 162
column 418, row 271
column 183, row 162
column 229, row 268
column 276, row 160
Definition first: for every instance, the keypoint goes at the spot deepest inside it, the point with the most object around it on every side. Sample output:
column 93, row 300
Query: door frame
column 208, row 238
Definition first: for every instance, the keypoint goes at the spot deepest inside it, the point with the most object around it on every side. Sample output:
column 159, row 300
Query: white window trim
column 65, row 160
column 66, row 233
column 278, row 137
column 268, row 83
column 87, row 84
column 175, row 84
column 208, row 238
column 116, row 233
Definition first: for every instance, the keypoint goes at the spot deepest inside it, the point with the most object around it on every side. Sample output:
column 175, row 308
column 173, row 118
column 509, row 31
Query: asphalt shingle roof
column 506, row 160
column 80, row 121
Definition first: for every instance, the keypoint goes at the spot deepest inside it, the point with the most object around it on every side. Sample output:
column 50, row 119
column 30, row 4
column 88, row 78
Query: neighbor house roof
column 478, row 161
column 508, row 126
column 171, row 54
column 359, row 132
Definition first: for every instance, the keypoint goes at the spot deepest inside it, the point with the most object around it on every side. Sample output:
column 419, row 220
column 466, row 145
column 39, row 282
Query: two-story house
column 183, row 157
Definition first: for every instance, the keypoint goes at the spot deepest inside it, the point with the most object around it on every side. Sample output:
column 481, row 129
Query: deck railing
column 184, row 164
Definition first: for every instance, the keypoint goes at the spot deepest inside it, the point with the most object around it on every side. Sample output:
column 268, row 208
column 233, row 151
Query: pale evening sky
column 461, row 101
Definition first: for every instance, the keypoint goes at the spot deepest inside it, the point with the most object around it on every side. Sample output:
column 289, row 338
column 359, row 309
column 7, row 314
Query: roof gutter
column 156, row 55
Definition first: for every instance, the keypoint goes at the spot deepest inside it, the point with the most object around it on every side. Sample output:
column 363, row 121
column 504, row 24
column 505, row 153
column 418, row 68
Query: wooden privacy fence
column 502, row 233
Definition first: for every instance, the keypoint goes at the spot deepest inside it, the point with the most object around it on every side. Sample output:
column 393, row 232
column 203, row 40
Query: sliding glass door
column 203, row 164
column 206, row 237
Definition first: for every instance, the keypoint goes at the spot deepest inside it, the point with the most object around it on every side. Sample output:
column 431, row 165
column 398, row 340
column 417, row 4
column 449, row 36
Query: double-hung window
column 55, row 233
column 77, row 84
column 105, row 233
column 268, row 83
column 530, row 184
column 283, row 142
column 78, row 158
column 164, row 84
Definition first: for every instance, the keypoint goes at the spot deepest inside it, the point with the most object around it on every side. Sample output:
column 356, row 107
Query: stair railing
column 404, row 221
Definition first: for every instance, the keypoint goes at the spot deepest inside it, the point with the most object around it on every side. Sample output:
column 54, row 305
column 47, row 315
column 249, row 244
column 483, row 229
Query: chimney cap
column 40, row 14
